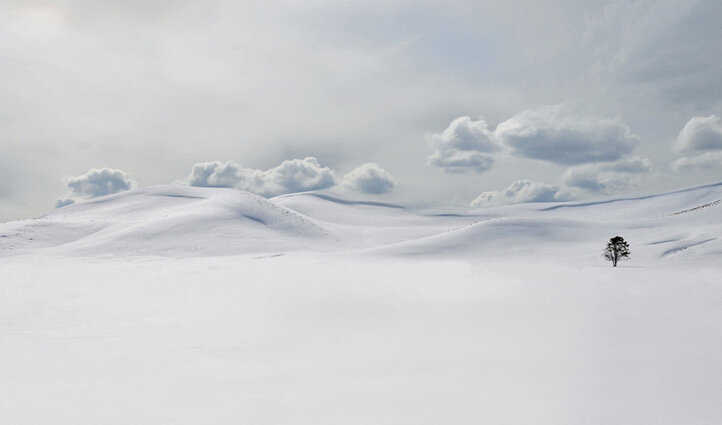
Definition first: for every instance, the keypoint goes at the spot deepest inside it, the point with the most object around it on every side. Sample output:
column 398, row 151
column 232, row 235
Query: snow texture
column 186, row 305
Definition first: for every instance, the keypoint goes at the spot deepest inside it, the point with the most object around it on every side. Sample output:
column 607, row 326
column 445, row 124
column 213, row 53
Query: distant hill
column 177, row 220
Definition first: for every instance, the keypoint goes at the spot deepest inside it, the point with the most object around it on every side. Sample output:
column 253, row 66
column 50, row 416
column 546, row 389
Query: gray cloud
column 522, row 191
column 457, row 162
column 590, row 179
column 710, row 161
column 635, row 165
column 369, row 178
column 295, row 175
column 464, row 145
column 608, row 178
column 700, row 134
column 558, row 135
column 99, row 182
column 555, row 134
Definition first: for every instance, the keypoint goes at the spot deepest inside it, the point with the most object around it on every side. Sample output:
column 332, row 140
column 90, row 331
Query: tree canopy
column 617, row 249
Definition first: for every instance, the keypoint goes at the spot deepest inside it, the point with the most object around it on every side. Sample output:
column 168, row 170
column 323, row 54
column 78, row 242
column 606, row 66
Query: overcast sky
column 454, row 101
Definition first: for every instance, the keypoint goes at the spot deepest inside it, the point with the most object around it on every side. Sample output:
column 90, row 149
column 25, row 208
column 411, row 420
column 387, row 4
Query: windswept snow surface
column 184, row 305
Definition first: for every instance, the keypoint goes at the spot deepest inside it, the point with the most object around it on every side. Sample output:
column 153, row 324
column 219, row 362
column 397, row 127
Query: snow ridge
column 177, row 220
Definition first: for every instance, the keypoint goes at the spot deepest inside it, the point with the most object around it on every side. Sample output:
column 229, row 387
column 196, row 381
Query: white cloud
column 592, row 180
column 555, row 134
column 607, row 178
column 464, row 145
column 298, row 175
column 522, row 191
column 369, row 178
column 461, row 161
column 558, row 135
column 215, row 174
column 706, row 161
column 295, row 175
column 700, row 134
column 701, row 139
column 99, row 182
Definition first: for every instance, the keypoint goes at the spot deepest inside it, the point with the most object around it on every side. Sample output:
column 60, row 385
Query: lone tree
column 617, row 249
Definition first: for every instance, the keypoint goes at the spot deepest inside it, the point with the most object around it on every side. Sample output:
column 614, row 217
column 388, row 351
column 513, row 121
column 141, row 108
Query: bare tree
column 617, row 249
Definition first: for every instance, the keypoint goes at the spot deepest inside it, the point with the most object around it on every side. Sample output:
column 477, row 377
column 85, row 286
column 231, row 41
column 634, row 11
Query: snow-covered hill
column 188, row 221
column 180, row 305
column 166, row 220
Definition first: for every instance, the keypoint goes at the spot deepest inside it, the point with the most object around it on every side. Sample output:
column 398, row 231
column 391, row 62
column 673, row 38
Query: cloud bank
column 369, row 178
column 607, row 178
column 593, row 180
column 295, row 175
column 558, row 135
column 705, row 161
column 554, row 134
column 635, row 165
column 521, row 191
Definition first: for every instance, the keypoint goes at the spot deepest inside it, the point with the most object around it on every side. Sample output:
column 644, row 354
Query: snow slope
column 167, row 220
column 187, row 221
column 180, row 305
column 678, row 226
